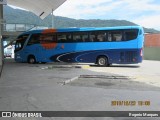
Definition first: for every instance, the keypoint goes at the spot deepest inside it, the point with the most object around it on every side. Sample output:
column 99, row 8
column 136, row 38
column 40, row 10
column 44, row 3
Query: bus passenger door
column 32, row 47
column 19, row 47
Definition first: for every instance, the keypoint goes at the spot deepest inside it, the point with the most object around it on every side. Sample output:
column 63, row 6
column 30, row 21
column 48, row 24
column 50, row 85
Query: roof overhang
column 41, row 8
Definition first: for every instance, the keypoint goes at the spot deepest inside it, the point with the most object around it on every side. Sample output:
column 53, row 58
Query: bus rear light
column 141, row 52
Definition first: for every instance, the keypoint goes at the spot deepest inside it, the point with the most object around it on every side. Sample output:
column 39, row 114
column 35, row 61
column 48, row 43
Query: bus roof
column 81, row 29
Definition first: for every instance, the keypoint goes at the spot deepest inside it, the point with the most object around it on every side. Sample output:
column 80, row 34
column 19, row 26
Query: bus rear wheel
column 31, row 60
column 102, row 61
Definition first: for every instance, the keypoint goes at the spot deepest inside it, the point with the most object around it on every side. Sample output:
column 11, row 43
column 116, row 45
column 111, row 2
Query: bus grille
column 129, row 56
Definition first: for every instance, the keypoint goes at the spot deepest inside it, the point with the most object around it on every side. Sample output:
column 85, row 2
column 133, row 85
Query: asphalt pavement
column 0, row 69
column 40, row 87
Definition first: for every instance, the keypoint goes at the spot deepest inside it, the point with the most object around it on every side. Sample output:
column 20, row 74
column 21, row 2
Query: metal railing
column 17, row 27
column 21, row 27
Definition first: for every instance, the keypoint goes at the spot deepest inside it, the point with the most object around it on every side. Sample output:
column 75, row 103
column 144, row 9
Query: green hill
column 20, row 16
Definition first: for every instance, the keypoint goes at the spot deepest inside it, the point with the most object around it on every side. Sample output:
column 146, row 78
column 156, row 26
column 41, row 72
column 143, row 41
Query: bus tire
column 31, row 59
column 102, row 61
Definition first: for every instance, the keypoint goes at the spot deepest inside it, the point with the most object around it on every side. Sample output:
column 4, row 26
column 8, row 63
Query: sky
column 142, row 12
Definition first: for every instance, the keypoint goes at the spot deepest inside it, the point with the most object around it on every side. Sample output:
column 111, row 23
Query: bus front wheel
column 102, row 61
column 31, row 60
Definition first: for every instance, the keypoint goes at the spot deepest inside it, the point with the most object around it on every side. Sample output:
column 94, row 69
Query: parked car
column 7, row 55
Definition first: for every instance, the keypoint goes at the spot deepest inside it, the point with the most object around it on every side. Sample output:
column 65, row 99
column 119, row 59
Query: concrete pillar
column 53, row 25
column 1, row 42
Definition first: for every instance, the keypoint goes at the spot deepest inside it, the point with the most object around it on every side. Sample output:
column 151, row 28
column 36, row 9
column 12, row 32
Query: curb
column 70, row 80
column 1, row 69
column 85, row 67
column 66, row 66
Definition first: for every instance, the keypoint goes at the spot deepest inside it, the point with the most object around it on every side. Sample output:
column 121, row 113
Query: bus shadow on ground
column 123, row 66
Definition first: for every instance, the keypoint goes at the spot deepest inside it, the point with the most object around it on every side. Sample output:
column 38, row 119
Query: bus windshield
column 20, row 42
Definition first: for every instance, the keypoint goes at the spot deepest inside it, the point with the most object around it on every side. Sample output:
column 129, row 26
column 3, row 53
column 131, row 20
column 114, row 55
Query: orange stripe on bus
column 49, row 31
column 49, row 45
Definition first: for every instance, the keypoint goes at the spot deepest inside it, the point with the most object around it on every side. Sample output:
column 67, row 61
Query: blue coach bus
column 102, row 46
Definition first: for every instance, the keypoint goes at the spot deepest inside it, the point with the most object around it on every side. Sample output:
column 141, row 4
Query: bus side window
column 92, row 37
column 62, row 38
column 47, row 38
column 80, row 37
column 85, row 37
column 115, row 36
column 69, row 37
column 101, row 36
column 109, row 37
column 34, row 39
column 131, row 34
column 77, row 37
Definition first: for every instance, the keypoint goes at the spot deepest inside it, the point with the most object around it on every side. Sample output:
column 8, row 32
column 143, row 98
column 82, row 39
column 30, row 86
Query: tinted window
column 131, row 34
column 47, row 38
column 80, row 37
column 92, row 37
column 101, row 36
column 64, row 37
column 20, row 42
column 34, row 39
column 115, row 36
column 77, row 37
column 85, row 37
